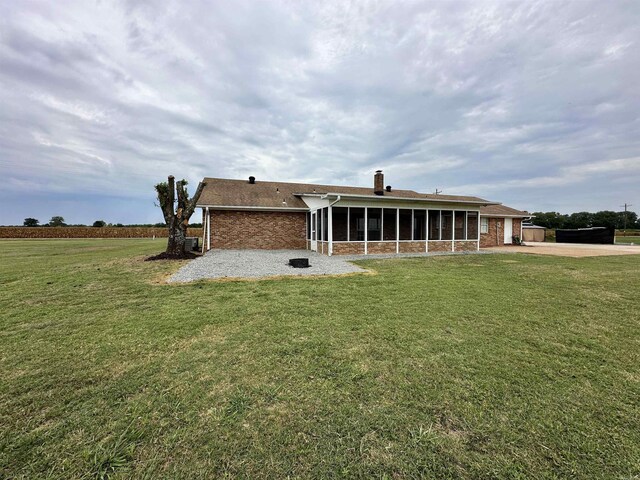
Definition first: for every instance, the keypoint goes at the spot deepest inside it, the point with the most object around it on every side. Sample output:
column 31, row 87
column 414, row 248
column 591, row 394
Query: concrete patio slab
column 575, row 250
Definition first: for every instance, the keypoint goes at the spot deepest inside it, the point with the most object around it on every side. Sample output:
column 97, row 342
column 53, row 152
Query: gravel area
column 270, row 263
column 260, row 264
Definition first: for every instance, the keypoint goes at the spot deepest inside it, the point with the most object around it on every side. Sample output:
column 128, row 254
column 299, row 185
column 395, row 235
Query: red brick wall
column 348, row 248
column 495, row 236
column 439, row 245
column 381, row 247
column 517, row 224
column 260, row 230
column 466, row 246
column 413, row 247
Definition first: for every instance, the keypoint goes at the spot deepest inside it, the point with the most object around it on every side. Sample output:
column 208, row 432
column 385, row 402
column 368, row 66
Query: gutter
column 404, row 199
column 245, row 207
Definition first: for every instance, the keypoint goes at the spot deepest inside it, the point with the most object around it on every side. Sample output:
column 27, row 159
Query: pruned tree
column 170, row 194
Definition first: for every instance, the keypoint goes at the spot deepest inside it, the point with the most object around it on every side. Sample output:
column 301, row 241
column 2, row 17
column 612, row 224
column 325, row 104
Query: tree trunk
column 177, row 238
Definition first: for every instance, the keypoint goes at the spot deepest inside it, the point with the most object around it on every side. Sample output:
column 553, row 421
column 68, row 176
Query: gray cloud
column 530, row 103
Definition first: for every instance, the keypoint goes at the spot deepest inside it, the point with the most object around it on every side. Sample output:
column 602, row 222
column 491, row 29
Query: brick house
column 334, row 220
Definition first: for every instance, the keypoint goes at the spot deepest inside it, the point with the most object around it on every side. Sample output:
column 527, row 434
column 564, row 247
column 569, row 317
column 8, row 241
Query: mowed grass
column 630, row 239
column 480, row 366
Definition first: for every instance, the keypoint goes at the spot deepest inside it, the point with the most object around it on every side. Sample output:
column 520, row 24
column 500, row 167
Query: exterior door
column 508, row 230
column 314, row 237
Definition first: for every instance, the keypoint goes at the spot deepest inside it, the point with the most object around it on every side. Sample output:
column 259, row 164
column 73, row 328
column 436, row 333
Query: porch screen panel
column 339, row 223
column 389, row 224
column 405, row 224
column 447, row 225
column 460, row 224
column 317, row 232
column 434, row 224
column 419, row 224
column 356, row 224
column 472, row 226
column 374, row 233
column 308, row 225
column 325, row 224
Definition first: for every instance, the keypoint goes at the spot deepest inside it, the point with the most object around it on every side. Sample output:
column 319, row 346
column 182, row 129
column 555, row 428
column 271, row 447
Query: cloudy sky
column 534, row 104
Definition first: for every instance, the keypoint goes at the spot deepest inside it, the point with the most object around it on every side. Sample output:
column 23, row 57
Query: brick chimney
column 378, row 183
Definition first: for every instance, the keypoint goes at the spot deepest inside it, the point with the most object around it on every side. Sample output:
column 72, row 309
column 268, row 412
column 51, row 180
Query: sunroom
column 339, row 225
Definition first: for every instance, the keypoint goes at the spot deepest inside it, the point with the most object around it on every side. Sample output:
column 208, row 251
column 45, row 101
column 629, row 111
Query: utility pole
column 626, row 206
column 438, row 192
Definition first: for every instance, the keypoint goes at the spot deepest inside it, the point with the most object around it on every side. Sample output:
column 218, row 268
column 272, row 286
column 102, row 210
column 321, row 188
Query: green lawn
column 634, row 239
column 480, row 366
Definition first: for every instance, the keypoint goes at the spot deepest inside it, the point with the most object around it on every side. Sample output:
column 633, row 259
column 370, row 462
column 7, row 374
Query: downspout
column 208, row 230
column 204, row 228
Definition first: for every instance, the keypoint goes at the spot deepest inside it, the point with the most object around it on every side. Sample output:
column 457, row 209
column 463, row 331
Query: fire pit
column 299, row 262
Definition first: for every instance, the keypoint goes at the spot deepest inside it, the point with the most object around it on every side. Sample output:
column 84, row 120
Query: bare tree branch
column 165, row 201
column 192, row 204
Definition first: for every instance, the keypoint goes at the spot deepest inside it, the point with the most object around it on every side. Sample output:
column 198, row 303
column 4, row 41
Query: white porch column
column 330, row 229
column 348, row 224
column 466, row 224
column 208, row 230
column 397, row 230
column 426, row 233
column 413, row 233
column 478, row 249
column 366, row 229
column 453, row 230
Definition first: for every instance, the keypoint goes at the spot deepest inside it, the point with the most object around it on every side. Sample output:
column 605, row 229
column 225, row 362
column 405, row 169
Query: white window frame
column 484, row 225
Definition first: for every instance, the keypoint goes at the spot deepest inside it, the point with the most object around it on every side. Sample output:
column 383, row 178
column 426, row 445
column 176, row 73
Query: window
column 460, row 229
column 389, row 224
column 374, row 224
column 434, row 224
column 484, row 225
column 308, row 225
column 419, row 224
column 316, row 233
column 472, row 226
column 339, row 223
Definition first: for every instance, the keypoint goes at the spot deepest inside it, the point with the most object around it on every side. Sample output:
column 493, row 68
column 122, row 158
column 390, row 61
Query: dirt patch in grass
column 166, row 256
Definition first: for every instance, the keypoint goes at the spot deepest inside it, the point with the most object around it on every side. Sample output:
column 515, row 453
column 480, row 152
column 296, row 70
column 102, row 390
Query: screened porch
column 368, row 230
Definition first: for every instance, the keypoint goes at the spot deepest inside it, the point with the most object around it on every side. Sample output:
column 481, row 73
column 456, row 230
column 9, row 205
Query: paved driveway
column 260, row 264
column 570, row 249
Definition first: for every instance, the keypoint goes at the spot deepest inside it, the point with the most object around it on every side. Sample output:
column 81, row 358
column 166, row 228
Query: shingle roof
column 240, row 193
column 502, row 210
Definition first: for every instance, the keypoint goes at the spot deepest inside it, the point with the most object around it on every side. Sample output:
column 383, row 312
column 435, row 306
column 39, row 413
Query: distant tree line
column 604, row 218
column 58, row 221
